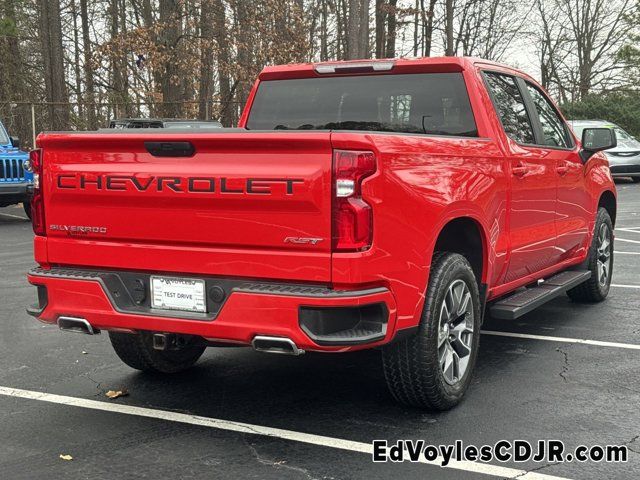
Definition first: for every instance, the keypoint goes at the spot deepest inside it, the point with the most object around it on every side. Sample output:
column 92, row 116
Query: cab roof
column 382, row 66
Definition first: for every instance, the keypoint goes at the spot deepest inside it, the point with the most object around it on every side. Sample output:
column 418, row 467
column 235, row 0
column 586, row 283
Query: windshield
column 432, row 103
column 4, row 138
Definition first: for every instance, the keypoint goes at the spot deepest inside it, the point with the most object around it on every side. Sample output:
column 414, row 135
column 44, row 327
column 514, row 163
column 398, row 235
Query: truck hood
column 8, row 151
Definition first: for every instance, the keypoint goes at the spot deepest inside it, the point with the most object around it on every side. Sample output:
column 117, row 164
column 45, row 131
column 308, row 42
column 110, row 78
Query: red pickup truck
column 358, row 205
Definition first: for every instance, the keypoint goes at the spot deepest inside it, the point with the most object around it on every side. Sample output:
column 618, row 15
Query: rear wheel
column 136, row 350
column 433, row 368
column 27, row 208
column 635, row 179
column 599, row 262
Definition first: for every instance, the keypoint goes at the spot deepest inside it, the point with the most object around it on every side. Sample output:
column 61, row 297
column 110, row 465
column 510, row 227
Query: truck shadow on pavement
column 341, row 392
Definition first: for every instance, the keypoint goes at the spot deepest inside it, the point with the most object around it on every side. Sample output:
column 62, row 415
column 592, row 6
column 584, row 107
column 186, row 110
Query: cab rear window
column 431, row 103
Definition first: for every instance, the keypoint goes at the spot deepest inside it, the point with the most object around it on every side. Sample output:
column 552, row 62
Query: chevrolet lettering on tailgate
column 255, row 186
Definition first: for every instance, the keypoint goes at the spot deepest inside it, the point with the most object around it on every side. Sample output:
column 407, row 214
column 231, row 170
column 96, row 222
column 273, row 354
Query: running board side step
column 524, row 301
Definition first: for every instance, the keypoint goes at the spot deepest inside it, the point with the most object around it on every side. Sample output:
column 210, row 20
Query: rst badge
column 303, row 240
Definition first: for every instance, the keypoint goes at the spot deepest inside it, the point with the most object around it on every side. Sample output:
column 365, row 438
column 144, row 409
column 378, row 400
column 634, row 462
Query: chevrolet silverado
column 367, row 204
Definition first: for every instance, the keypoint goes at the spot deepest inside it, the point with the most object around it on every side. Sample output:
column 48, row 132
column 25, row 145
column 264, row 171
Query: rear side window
column 426, row 103
column 553, row 128
column 510, row 107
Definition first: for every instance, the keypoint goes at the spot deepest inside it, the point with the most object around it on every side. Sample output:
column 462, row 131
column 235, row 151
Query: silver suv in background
column 624, row 159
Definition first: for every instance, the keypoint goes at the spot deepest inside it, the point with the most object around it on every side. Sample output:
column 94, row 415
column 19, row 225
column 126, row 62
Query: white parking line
column 13, row 216
column 626, row 253
column 246, row 428
column 619, row 285
column 629, row 346
column 618, row 239
column 630, row 229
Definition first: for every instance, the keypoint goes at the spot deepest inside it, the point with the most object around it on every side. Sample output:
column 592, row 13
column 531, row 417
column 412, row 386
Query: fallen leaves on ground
column 113, row 394
column 66, row 457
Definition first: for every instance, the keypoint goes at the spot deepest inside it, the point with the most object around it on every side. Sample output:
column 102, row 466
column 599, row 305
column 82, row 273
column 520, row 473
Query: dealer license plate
column 184, row 294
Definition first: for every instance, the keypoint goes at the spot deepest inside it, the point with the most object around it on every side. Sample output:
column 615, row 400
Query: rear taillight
column 37, row 202
column 352, row 216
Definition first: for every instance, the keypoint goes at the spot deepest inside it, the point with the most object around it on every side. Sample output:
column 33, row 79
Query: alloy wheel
column 603, row 251
column 455, row 334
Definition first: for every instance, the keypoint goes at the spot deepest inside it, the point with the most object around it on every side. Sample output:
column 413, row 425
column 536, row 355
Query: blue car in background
column 16, row 183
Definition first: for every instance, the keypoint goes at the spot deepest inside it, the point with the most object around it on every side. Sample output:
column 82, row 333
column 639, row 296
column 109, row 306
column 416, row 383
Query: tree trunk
column 76, row 59
column 157, row 68
column 169, row 38
column 52, row 56
column 243, row 58
column 380, row 28
column 324, row 52
column 416, row 28
column 89, row 94
column 227, row 107
column 428, row 28
column 11, row 74
column 353, row 30
column 363, row 30
column 118, row 66
column 390, row 49
column 342, row 21
column 206, row 59
column 449, row 28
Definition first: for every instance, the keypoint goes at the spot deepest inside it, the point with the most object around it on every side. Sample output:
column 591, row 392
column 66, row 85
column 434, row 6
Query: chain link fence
column 26, row 119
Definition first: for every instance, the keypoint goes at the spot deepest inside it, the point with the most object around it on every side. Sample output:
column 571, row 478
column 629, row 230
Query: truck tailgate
column 244, row 204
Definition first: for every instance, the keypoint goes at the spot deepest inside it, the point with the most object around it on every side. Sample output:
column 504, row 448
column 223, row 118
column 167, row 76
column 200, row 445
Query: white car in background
column 624, row 159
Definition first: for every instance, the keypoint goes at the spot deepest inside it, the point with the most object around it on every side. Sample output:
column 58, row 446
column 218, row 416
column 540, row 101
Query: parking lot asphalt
column 322, row 409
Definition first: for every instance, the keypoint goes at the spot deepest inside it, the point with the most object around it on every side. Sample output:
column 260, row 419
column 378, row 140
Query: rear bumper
column 11, row 193
column 308, row 315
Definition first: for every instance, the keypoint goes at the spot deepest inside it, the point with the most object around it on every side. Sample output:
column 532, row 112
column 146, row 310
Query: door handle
column 519, row 170
column 562, row 169
column 170, row 149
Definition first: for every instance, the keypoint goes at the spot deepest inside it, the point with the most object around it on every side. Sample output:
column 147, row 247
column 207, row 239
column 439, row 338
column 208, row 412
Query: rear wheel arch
column 465, row 235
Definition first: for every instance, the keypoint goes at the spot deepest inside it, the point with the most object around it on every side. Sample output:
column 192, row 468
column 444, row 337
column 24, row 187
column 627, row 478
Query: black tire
column 412, row 366
column 27, row 208
column 136, row 350
column 593, row 290
column 635, row 179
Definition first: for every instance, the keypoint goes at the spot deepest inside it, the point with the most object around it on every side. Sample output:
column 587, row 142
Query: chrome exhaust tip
column 281, row 345
column 76, row 325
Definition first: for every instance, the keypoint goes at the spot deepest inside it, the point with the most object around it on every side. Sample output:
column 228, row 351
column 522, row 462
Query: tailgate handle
column 170, row 149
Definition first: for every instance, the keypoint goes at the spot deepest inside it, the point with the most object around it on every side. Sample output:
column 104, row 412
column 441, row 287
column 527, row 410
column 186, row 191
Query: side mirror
column 595, row 140
column 15, row 141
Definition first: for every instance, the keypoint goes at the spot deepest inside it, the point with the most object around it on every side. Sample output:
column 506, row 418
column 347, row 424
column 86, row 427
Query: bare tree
column 206, row 57
column 427, row 29
column 449, row 51
column 89, row 93
column 227, row 113
column 552, row 45
column 488, row 28
column 598, row 31
column 170, row 18
column 390, row 48
column 52, row 57
column 380, row 18
column 578, row 42
column 358, row 29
